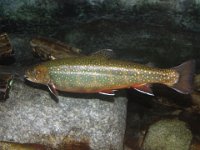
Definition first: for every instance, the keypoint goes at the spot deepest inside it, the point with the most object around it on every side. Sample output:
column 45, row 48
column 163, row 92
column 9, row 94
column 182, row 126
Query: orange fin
column 110, row 93
column 145, row 88
column 186, row 71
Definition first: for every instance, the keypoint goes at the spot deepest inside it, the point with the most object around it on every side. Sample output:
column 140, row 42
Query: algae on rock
column 168, row 135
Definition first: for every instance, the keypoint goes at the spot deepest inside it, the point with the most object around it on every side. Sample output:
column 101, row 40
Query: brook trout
column 92, row 74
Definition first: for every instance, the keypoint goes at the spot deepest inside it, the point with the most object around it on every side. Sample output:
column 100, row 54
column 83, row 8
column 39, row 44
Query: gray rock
column 31, row 116
column 168, row 135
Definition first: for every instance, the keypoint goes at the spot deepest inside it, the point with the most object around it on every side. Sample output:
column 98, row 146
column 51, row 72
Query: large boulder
column 31, row 115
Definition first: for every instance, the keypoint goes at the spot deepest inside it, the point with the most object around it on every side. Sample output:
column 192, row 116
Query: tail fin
column 186, row 71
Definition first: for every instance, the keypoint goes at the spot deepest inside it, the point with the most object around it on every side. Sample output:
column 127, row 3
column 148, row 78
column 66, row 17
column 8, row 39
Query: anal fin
column 145, row 88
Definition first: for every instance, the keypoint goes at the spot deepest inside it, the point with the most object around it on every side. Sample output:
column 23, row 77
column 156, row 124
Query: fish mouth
column 33, row 43
column 26, row 77
column 29, row 79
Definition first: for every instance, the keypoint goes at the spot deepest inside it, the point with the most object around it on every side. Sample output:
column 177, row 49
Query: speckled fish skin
column 94, row 74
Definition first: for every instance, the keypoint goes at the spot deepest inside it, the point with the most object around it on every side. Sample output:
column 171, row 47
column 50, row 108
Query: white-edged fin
column 145, row 88
column 110, row 93
column 141, row 91
column 52, row 89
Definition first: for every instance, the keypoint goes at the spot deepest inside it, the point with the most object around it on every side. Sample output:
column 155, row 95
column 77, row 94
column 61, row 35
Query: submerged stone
column 31, row 116
column 168, row 135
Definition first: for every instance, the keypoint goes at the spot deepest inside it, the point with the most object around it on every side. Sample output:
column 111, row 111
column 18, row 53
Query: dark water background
column 135, row 41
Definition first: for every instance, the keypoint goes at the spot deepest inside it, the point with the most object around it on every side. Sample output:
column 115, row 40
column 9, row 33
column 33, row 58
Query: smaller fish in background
column 50, row 49
column 98, row 74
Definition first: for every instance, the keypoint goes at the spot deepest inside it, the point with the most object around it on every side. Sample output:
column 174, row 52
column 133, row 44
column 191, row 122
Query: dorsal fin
column 106, row 53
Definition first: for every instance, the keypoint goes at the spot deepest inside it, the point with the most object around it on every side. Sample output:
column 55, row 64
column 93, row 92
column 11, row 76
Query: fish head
column 37, row 74
column 35, row 42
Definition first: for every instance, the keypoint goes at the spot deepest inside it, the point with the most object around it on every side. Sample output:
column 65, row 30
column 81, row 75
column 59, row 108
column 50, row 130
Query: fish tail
column 186, row 75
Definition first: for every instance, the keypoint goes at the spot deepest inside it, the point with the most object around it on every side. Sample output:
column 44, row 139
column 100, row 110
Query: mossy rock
column 168, row 135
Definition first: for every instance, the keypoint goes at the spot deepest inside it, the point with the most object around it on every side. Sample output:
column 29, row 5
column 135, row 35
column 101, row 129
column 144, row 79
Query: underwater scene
column 99, row 75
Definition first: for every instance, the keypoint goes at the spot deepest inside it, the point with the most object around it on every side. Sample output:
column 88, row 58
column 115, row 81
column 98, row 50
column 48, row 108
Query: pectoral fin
column 145, row 88
column 52, row 89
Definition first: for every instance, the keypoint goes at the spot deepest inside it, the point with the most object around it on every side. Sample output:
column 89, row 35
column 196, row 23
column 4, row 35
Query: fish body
column 91, row 74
